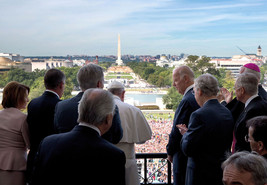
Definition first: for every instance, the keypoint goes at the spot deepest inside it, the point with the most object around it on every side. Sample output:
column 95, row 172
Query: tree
column 199, row 65
column 172, row 98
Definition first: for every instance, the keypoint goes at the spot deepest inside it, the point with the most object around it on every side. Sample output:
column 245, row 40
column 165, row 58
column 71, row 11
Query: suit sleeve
column 192, row 139
column 115, row 132
column 182, row 116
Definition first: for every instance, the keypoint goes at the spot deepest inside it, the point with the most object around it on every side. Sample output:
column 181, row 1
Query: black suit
column 80, row 156
column 257, row 107
column 208, row 138
column 182, row 115
column 236, row 107
column 66, row 116
column 40, row 120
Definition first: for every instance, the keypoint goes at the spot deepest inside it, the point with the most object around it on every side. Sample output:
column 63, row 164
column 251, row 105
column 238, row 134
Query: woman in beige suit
column 14, row 135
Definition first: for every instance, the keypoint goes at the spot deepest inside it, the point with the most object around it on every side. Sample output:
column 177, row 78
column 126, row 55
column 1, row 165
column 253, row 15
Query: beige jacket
column 14, row 139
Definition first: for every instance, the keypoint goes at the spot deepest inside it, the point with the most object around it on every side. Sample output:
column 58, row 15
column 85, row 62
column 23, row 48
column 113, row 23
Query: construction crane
column 244, row 52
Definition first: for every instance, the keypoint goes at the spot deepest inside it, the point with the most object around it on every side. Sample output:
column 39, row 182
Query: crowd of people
column 157, row 144
column 93, row 137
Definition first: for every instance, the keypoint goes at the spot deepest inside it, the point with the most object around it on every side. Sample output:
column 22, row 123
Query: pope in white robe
column 135, row 130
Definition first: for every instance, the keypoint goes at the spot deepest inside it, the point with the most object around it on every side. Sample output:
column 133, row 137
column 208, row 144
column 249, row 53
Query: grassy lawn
column 115, row 77
column 159, row 116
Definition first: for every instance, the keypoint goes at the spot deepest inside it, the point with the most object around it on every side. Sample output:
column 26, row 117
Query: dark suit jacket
column 66, row 116
column 182, row 115
column 208, row 138
column 257, row 107
column 236, row 107
column 40, row 120
column 80, row 156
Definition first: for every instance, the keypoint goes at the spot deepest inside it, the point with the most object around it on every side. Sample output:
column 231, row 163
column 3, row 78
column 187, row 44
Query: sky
column 146, row 27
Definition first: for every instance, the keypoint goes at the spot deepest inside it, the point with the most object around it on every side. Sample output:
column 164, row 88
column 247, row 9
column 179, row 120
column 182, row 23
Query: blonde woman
column 14, row 134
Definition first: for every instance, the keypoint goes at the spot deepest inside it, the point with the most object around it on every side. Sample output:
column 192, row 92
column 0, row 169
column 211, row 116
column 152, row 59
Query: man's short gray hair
column 208, row 84
column 249, row 82
column 256, row 73
column 249, row 162
column 89, row 75
column 95, row 105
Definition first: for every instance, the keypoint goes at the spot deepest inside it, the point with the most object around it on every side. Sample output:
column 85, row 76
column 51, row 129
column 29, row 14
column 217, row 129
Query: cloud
column 87, row 25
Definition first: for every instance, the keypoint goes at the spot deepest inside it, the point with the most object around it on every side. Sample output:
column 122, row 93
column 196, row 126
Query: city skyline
column 151, row 27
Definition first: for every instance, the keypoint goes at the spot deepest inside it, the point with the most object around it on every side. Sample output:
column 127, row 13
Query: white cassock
column 135, row 130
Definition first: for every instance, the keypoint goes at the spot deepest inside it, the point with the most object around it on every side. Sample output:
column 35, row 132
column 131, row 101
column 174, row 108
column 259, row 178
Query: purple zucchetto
column 252, row 66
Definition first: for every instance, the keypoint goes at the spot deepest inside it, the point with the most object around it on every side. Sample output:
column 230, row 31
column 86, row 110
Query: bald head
column 184, row 70
column 183, row 77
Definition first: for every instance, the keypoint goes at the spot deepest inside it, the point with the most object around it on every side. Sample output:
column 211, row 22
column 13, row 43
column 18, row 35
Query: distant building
column 51, row 63
column 13, row 57
column 165, row 62
column 7, row 61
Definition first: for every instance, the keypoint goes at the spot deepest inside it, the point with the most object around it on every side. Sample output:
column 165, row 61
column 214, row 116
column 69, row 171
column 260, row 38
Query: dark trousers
column 179, row 168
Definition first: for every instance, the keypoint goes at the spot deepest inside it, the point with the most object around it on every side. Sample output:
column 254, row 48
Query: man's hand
column 182, row 128
column 228, row 96
column 170, row 158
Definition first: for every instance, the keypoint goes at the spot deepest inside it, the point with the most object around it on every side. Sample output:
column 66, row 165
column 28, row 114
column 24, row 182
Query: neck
column 205, row 99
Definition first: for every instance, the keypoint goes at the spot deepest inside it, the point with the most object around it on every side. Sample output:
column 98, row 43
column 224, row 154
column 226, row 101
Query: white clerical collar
column 91, row 126
column 250, row 99
column 188, row 88
column 116, row 97
column 53, row 92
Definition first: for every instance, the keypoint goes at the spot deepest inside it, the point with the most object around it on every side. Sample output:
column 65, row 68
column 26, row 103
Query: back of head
column 95, row 105
column 208, row 84
column 252, row 68
column 89, row 75
column 53, row 78
column 259, row 125
column 185, row 70
column 116, row 88
column 13, row 94
column 249, row 162
column 249, row 82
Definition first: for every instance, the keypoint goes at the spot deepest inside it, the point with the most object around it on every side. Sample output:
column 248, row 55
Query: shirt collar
column 188, row 88
column 90, row 126
column 116, row 97
column 250, row 99
column 53, row 92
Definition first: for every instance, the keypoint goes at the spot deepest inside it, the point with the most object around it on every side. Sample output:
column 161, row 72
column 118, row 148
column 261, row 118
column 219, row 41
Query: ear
column 100, row 84
column 199, row 92
column 260, row 145
column 242, row 90
column 186, row 78
column 61, row 86
column 107, row 124
column 109, row 119
column 122, row 96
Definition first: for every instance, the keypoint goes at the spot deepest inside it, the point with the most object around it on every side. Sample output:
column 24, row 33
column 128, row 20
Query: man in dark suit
column 257, row 137
column 235, row 106
column 41, row 112
column 209, row 135
column 66, row 112
column 246, row 89
column 183, row 81
column 82, row 156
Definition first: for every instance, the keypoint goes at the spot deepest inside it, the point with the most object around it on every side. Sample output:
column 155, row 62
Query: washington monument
column 119, row 61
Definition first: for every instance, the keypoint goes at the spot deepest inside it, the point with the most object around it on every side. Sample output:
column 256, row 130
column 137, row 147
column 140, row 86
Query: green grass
column 115, row 77
column 159, row 115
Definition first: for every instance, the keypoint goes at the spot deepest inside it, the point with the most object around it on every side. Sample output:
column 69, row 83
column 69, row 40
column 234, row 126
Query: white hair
column 95, row 105
column 89, row 75
column 208, row 84
column 249, row 82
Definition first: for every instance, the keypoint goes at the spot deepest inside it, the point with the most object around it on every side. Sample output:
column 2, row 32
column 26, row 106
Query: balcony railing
column 154, row 168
